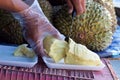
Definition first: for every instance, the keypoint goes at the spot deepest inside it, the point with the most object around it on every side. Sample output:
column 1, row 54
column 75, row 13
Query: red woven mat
column 41, row 72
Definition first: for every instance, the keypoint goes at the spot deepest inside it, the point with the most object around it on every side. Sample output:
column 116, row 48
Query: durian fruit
column 78, row 54
column 10, row 29
column 55, row 48
column 23, row 50
column 94, row 28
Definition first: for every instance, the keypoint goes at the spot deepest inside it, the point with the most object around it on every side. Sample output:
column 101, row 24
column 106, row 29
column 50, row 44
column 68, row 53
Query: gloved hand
column 79, row 6
column 36, row 27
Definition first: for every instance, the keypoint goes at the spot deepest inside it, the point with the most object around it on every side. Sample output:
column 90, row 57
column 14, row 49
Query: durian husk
column 10, row 28
column 108, row 4
column 94, row 28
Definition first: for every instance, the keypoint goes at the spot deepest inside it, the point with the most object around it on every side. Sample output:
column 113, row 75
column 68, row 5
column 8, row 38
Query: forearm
column 13, row 5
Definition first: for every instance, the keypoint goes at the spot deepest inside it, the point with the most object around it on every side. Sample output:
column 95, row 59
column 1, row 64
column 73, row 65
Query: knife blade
column 72, row 21
column 71, row 27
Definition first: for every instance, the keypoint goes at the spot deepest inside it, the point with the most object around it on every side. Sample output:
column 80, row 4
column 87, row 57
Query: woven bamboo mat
column 41, row 72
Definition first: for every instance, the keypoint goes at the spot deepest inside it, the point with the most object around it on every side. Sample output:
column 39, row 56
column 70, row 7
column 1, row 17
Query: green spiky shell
column 47, row 8
column 108, row 4
column 94, row 28
column 10, row 30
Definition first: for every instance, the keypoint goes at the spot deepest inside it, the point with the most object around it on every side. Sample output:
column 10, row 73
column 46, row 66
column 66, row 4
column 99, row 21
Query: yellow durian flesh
column 23, row 50
column 55, row 48
column 72, row 52
column 79, row 55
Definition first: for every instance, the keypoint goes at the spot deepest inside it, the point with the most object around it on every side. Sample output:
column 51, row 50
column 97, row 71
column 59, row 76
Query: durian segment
column 47, row 42
column 19, row 50
column 55, row 48
column 72, row 52
column 79, row 55
column 23, row 50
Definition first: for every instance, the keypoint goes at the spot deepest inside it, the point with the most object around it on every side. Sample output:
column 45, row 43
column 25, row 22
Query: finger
column 70, row 6
column 78, row 6
column 84, row 5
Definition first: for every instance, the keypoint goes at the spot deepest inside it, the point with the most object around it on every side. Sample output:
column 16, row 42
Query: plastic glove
column 79, row 6
column 36, row 27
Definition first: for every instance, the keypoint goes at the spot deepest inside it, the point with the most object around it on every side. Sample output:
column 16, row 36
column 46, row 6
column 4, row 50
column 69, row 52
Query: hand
column 79, row 6
column 36, row 27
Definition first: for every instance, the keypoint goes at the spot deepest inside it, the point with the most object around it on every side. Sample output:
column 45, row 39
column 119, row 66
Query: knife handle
column 73, row 13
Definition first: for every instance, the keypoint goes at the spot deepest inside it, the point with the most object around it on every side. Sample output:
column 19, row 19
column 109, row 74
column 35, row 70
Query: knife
column 72, row 21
